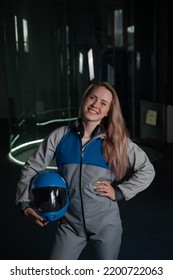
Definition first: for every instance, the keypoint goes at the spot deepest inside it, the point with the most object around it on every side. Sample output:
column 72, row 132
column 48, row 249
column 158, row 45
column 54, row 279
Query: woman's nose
column 95, row 103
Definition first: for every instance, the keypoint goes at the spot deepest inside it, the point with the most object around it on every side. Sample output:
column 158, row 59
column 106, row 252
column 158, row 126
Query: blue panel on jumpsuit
column 69, row 151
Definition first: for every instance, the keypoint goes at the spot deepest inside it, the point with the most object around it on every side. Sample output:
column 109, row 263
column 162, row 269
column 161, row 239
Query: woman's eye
column 92, row 97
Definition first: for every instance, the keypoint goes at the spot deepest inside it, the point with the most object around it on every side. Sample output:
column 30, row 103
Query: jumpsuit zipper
column 80, row 180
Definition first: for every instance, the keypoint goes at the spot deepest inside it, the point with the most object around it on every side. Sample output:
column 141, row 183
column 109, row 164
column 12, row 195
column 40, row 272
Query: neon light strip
column 56, row 120
column 13, row 159
column 15, row 139
column 26, row 144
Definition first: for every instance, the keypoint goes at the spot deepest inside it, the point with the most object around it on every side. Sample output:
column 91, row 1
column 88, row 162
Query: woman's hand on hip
column 105, row 189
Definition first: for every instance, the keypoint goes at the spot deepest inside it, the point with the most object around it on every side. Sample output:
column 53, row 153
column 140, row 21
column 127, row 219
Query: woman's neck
column 88, row 129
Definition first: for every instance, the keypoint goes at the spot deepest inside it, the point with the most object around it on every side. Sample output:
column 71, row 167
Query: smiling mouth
column 93, row 111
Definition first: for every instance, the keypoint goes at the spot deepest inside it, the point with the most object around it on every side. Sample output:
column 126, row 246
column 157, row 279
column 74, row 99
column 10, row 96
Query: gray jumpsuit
column 90, row 217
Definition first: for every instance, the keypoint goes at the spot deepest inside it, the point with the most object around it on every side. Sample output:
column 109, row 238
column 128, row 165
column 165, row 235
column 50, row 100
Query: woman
column 101, row 165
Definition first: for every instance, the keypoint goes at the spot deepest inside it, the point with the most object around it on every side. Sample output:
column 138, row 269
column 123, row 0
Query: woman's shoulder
column 133, row 146
column 59, row 132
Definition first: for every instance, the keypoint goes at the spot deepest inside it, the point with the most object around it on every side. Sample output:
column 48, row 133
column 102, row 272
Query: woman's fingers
column 105, row 189
column 31, row 213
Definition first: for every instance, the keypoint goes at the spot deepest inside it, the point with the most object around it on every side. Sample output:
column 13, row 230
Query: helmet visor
column 49, row 199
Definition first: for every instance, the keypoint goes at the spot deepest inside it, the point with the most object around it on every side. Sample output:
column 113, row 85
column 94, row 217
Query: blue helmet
column 50, row 195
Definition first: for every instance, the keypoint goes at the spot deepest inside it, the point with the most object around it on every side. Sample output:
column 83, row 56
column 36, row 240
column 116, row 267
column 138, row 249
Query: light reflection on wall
column 81, row 63
column 25, row 35
column 118, row 28
column 91, row 64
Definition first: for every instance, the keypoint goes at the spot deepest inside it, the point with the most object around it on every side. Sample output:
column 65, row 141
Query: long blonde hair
column 115, row 144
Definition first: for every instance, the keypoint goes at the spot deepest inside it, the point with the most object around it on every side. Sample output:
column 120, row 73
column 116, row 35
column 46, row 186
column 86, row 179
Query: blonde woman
column 101, row 165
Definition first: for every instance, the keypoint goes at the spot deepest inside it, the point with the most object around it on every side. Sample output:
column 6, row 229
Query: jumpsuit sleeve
column 142, row 176
column 37, row 162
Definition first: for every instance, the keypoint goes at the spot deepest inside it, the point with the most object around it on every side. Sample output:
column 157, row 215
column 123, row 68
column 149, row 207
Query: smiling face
column 97, row 104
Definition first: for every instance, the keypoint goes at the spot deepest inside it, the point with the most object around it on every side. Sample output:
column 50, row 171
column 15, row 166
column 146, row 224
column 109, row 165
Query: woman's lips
column 92, row 110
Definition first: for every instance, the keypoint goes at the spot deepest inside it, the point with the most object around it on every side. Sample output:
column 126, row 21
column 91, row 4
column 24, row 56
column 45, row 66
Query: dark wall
column 4, row 126
column 170, row 54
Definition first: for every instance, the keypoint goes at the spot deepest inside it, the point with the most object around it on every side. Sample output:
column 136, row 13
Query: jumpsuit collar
column 97, row 132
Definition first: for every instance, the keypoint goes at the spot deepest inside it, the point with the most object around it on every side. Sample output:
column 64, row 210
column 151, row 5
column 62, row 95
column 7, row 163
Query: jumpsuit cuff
column 22, row 206
column 118, row 194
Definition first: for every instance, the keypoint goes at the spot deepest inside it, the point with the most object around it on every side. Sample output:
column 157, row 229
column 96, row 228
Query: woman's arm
column 143, row 172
